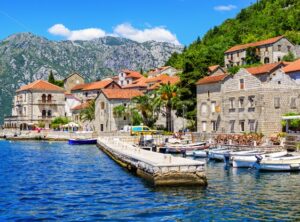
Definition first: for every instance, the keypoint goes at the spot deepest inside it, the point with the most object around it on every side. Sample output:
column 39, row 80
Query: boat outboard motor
column 227, row 158
column 258, row 158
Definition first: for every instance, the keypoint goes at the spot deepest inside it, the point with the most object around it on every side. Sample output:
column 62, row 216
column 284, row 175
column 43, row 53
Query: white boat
column 249, row 161
column 279, row 164
column 200, row 153
column 226, row 155
column 184, row 148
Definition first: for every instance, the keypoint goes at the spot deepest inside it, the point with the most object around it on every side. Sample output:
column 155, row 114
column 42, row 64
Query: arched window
column 49, row 113
column 266, row 60
column 49, row 98
column 43, row 98
column 44, row 113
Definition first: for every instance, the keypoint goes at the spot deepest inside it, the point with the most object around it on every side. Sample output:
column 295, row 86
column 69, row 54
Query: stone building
column 105, row 121
column 252, row 100
column 126, row 77
column 73, row 80
column 88, row 91
column 169, row 70
column 269, row 51
column 37, row 103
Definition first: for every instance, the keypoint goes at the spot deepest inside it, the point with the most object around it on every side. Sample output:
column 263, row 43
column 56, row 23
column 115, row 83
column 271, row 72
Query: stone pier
column 157, row 168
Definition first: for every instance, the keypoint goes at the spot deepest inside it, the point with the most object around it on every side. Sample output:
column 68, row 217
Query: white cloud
column 225, row 7
column 82, row 34
column 158, row 34
column 124, row 30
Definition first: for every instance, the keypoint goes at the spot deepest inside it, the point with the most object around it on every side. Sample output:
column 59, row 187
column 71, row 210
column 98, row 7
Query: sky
column 174, row 21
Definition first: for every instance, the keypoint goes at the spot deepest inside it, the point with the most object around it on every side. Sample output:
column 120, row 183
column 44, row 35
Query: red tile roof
column 254, row 44
column 81, row 106
column 121, row 93
column 80, row 86
column 264, row 69
column 41, row 85
column 162, row 79
column 140, row 83
column 98, row 85
column 292, row 67
column 211, row 79
column 132, row 74
column 213, row 68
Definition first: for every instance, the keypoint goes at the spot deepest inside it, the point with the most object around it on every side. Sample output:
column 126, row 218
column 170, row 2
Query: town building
column 89, row 91
column 73, row 80
column 126, row 77
column 293, row 70
column 105, row 120
column 71, row 101
column 252, row 100
column 37, row 103
column 169, row 70
column 269, row 51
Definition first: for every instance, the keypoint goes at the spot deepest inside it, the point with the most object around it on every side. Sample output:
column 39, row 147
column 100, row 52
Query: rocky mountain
column 26, row 57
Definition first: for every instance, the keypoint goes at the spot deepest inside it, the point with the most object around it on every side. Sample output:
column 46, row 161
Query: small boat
column 249, row 161
column 227, row 155
column 82, row 141
column 200, row 153
column 183, row 148
column 278, row 164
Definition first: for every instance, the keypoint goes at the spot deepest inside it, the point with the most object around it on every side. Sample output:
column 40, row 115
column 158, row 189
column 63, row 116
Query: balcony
column 46, row 101
column 251, row 109
column 231, row 110
column 46, row 117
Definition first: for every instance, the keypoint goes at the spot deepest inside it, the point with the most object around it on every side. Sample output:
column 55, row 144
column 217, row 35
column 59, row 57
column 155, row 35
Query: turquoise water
column 41, row 181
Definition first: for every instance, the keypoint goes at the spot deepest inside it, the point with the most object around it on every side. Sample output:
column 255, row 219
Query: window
column 204, row 126
column 267, row 48
column 231, row 101
column 122, row 82
column 101, row 127
column 279, row 82
column 278, row 58
column 231, row 56
column 102, row 105
column 24, row 110
column 231, row 125
column 266, row 60
column 242, row 126
column 49, row 98
column 241, row 102
column 243, row 61
column 204, row 108
column 127, row 81
column 49, row 113
column 238, row 54
column 293, row 103
column 213, row 107
column 251, row 101
column 252, row 125
column 227, row 56
column 279, row 47
column 238, row 63
column 208, row 94
column 242, row 84
column 276, row 102
column 289, row 48
column 43, row 98
column 44, row 112
column 124, row 104
column 86, row 94
column 124, row 118
column 214, row 126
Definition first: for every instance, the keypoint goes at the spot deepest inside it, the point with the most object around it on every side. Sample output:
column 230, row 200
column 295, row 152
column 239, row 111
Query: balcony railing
column 46, row 117
column 46, row 101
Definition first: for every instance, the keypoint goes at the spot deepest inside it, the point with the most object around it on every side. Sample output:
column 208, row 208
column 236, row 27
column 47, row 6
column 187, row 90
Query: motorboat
column 248, row 161
column 227, row 154
column 183, row 148
column 82, row 141
column 289, row 163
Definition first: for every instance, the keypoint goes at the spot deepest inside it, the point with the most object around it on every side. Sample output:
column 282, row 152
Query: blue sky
column 176, row 21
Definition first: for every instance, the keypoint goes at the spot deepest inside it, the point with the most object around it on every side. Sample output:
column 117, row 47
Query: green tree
column 88, row 114
column 290, row 57
column 59, row 121
column 51, row 78
column 148, row 108
column 167, row 94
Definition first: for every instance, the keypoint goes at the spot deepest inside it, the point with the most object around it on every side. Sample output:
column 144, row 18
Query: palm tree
column 88, row 114
column 167, row 95
column 148, row 108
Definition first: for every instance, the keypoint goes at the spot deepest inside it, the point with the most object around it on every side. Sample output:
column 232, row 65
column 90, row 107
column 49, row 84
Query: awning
column 290, row 117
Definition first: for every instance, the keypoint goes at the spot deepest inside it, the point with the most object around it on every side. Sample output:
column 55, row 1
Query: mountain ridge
column 27, row 57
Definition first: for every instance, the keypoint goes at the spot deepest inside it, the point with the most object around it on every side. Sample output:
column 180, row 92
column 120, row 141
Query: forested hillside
column 262, row 20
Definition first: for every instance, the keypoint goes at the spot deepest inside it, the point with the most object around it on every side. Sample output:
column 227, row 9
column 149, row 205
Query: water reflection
column 45, row 181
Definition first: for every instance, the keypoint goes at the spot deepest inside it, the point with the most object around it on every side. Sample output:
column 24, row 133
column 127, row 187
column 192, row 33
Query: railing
column 46, row 117
column 47, row 101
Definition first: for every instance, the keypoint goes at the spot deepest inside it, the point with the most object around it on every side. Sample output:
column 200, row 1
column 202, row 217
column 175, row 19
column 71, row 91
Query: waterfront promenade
column 159, row 169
